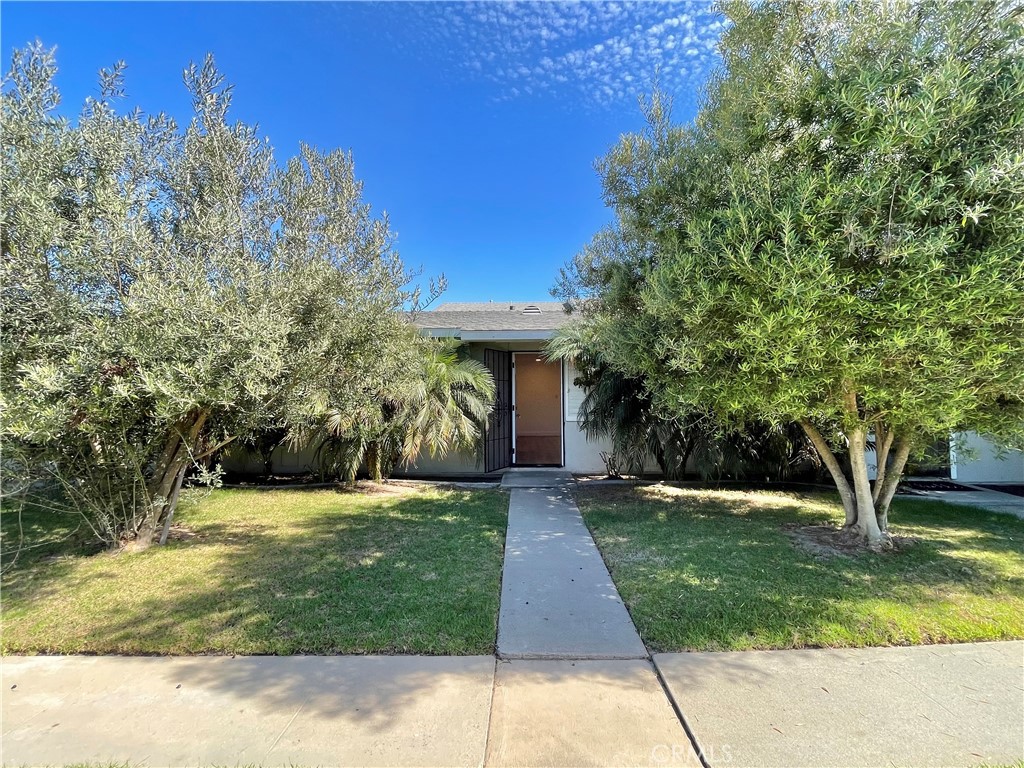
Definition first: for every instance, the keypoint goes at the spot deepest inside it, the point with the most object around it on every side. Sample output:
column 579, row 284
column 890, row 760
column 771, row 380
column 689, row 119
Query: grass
column 269, row 572
column 716, row 570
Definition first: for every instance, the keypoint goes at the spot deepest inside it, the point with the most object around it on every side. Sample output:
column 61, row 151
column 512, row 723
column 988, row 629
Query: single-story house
column 535, row 418
column 535, row 421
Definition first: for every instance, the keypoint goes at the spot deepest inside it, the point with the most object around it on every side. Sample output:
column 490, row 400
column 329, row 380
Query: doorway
column 537, row 385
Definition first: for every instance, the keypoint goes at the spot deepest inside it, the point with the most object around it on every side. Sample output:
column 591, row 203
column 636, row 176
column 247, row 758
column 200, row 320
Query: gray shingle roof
column 495, row 316
column 489, row 306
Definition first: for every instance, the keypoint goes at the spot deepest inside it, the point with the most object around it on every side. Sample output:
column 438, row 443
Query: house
column 535, row 418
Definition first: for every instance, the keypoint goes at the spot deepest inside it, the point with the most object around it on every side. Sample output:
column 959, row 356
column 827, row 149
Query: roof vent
column 531, row 309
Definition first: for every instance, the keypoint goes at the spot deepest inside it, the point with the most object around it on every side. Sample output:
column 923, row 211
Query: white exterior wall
column 582, row 456
column 984, row 466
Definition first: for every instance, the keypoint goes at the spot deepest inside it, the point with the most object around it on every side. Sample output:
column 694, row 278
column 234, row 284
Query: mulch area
column 909, row 486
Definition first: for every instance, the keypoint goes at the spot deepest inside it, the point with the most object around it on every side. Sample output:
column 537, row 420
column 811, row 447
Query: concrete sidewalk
column 948, row 705
column 951, row 705
column 309, row 711
column 260, row 710
column 548, row 712
column 557, row 598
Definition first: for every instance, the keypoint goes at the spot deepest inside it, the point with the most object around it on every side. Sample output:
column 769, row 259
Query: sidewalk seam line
column 501, row 578
column 490, row 713
column 497, row 630
column 694, row 742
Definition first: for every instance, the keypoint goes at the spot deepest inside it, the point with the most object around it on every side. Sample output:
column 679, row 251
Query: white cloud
column 606, row 52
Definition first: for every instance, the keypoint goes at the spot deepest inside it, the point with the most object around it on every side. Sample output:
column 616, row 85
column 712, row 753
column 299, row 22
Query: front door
column 498, row 437
column 538, row 411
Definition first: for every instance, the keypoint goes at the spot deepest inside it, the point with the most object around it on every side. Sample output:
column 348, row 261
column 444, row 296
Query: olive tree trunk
column 867, row 521
column 883, row 444
column 175, row 459
column 887, row 487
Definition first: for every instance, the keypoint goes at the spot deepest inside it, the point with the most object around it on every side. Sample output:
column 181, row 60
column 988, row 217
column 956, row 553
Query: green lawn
column 269, row 572
column 716, row 570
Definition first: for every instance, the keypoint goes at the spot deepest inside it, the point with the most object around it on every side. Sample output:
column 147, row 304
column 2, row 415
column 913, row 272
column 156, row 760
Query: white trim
column 561, row 405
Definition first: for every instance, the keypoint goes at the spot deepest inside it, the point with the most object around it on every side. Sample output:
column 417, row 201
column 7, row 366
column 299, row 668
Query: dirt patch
column 181, row 533
column 370, row 488
column 826, row 541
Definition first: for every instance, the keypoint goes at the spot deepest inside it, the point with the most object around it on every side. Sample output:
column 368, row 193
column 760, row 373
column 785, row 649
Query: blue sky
column 474, row 125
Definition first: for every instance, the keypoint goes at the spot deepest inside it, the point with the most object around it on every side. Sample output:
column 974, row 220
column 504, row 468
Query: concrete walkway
column 557, row 598
column 574, row 684
column 983, row 498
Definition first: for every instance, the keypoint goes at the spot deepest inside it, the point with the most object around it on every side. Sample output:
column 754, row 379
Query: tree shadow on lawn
column 330, row 581
column 401, row 574
column 711, row 571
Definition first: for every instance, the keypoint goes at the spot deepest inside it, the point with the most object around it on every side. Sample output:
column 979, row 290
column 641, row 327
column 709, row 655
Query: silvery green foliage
column 167, row 289
column 839, row 237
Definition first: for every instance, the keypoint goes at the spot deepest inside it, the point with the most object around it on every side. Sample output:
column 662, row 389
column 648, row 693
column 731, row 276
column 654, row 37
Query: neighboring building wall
column 984, row 466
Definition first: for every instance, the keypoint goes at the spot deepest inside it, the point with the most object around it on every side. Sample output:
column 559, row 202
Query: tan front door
column 538, row 422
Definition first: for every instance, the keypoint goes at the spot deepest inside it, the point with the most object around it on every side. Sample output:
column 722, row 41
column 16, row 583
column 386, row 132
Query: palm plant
column 449, row 403
column 619, row 407
column 440, row 408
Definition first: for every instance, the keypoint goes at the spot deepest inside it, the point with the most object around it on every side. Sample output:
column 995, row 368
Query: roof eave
column 442, row 333
column 532, row 335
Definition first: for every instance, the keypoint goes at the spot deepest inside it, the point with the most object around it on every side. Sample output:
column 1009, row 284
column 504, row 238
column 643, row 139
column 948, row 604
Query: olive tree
column 169, row 289
column 838, row 238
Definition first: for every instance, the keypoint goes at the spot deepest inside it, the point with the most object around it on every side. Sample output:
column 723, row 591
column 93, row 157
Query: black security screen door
column 498, row 440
